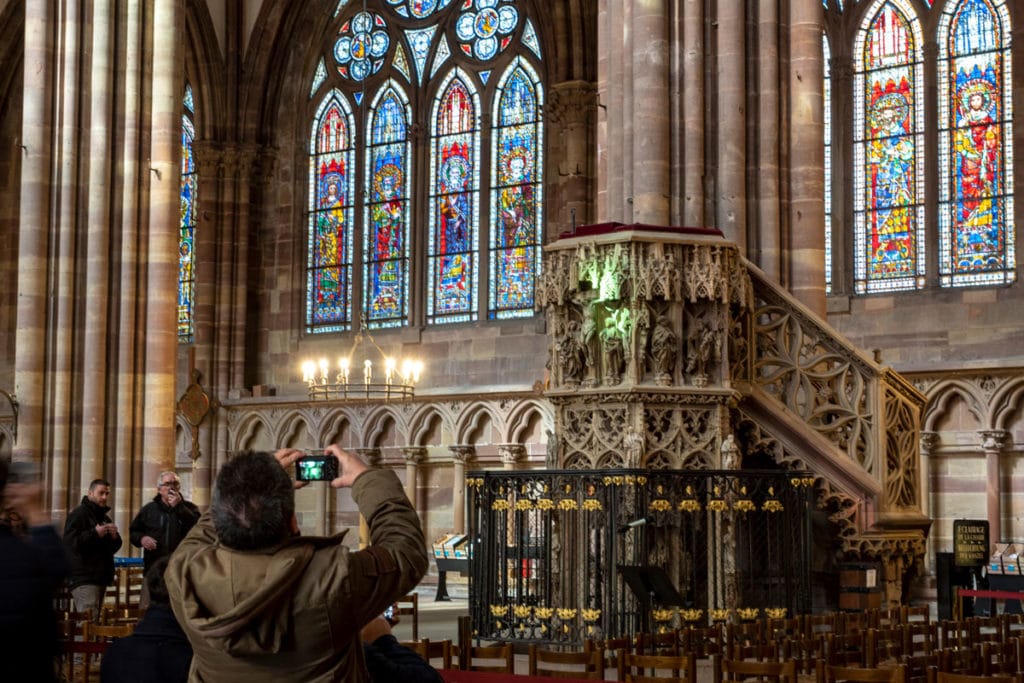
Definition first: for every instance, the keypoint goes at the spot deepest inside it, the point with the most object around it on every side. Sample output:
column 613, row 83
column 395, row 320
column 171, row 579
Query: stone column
column 651, row 140
column 693, row 113
column 843, row 135
column 929, row 442
column 993, row 442
column 731, row 128
column 806, row 267
column 569, row 111
column 414, row 456
column 768, row 219
column 611, row 130
column 460, row 456
column 511, row 455
column 372, row 457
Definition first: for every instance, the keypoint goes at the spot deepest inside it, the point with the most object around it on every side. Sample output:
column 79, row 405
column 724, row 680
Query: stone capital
column 994, row 440
column 929, row 440
column 462, row 454
column 414, row 455
column 372, row 456
column 570, row 103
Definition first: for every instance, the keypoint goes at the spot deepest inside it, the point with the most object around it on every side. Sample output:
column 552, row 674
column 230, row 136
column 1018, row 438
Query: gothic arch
column 471, row 419
column 334, row 426
column 246, row 430
column 1005, row 404
column 375, row 426
column 205, row 72
column 941, row 396
column 519, row 418
column 421, row 421
column 293, row 429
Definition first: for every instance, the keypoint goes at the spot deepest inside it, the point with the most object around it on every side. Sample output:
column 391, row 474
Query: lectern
column 651, row 586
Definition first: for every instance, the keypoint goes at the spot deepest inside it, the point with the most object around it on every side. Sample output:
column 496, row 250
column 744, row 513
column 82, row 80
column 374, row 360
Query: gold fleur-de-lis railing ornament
column 545, row 504
column 567, row 504
column 566, row 613
column 543, row 612
column 775, row 612
column 524, row 504
column 747, row 613
column 522, row 611
column 499, row 610
column 592, row 504
column 660, row 505
column 500, row 504
column 663, row 614
column 744, row 505
column 691, row 614
column 590, row 614
column 475, row 482
column 719, row 614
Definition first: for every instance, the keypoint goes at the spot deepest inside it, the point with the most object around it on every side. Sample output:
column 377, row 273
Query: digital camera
column 313, row 467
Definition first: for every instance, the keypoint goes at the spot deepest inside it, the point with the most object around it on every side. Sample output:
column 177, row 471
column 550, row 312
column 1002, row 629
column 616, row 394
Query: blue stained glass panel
column 418, row 9
column 530, row 38
column 516, row 194
column 319, row 77
column 363, row 41
column 388, row 211
column 975, row 170
column 485, row 27
column 187, row 225
column 888, row 152
column 332, row 192
column 420, row 41
column 455, row 182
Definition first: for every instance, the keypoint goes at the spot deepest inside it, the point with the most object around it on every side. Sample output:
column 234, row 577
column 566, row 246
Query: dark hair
column 253, row 502
column 155, row 581
column 98, row 482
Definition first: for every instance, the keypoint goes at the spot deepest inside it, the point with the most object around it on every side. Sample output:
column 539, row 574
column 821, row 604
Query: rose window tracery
column 361, row 48
column 485, row 27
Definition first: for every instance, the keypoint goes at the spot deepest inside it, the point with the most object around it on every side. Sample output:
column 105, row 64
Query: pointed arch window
column 888, row 150
column 516, row 192
column 187, row 230
column 976, row 230
column 330, row 218
column 454, row 202
column 388, row 209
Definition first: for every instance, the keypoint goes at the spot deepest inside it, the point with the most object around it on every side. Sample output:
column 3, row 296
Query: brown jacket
column 293, row 612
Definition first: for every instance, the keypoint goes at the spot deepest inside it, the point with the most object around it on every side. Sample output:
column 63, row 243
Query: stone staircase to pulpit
column 669, row 350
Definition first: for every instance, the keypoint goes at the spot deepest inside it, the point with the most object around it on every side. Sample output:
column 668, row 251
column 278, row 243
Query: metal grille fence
column 547, row 547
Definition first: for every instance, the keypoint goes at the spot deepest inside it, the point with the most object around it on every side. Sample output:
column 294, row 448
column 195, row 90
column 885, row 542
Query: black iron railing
column 547, row 548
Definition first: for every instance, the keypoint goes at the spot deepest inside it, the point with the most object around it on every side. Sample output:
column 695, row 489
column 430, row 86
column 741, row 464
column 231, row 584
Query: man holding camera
column 258, row 602
column 162, row 522
column 92, row 539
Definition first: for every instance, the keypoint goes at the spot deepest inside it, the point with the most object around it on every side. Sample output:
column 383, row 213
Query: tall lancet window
column 516, row 192
column 330, row 218
column 889, row 240
column 452, row 263
column 975, row 169
column 187, row 231
column 388, row 209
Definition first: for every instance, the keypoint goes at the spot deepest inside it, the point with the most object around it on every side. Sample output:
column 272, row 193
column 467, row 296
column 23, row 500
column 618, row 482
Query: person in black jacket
column 31, row 569
column 157, row 651
column 92, row 538
column 388, row 661
column 162, row 522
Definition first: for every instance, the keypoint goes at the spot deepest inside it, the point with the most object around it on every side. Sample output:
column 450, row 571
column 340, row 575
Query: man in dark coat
column 157, row 651
column 31, row 570
column 91, row 538
column 164, row 521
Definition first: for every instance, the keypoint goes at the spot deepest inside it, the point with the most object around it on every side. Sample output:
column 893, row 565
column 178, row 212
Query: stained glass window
column 516, row 192
column 888, row 150
column 187, row 232
column 454, row 201
column 388, row 160
column 976, row 226
column 331, row 198
column 827, row 99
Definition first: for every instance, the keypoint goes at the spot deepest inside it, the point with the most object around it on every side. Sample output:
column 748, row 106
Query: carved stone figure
column 611, row 339
column 633, row 448
column 664, row 349
column 703, row 343
column 552, row 458
column 588, row 335
column 730, row 454
column 571, row 356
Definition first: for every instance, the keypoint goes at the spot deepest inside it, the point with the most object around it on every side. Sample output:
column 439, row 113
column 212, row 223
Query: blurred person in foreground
column 389, row 661
column 157, row 651
column 258, row 602
column 32, row 568
column 91, row 538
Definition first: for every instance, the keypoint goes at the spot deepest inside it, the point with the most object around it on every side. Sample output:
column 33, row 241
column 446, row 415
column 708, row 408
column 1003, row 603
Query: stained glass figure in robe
column 186, row 236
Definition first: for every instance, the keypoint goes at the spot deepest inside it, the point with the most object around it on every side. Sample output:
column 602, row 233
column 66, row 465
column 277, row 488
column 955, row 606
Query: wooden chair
column 954, row 634
column 587, row 664
column 853, row 622
column 884, row 645
column 936, row 676
column 663, row 643
column 1013, row 626
column 702, row 642
column 609, row 650
column 846, row 650
column 656, row 668
column 105, row 632
column 998, row 659
column 747, row 641
column 498, row 658
column 120, row 615
column 430, row 650
column 985, row 630
column 410, row 606
column 917, row 666
column 920, row 638
column 88, row 653
column 843, row 674
column 909, row 615
column 735, row 671
column 962, row 660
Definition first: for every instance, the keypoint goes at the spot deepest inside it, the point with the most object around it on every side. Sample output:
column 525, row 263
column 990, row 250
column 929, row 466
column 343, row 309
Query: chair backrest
column 746, row 641
column 955, row 634
column 745, row 670
column 642, row 668
column 910, row 614
column 431, row 650
column 608, row 649
column 409, row 606
column 86, row 652
column 917, row 666
column 497, row 658
column 702, row 641
column 846, row 650
column 855, row 674
column 93, row 632
column 120, row 615
column 962, row 660
column 884, row 645
column 936, row 676
column 920, row 638
column 661, row 643
column 587, row 664
column 820, row 624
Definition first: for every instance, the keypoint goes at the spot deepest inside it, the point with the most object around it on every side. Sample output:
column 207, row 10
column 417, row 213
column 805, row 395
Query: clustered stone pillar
column 993, row 442
column 372, row 457
column 97, row 247
column 414, row 457
column 929, row 442
column 731, row 125
column 460, row 456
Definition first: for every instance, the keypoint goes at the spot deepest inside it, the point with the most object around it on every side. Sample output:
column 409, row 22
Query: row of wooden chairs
column 81, row 655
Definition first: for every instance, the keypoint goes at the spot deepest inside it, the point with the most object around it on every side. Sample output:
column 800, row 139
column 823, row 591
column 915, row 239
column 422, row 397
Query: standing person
column 162, row 523
column 30, row 573
column 92, row 539
column 260, row 603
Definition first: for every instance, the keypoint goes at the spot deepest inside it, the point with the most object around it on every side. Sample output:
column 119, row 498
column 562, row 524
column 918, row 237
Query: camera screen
column 316, row 468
